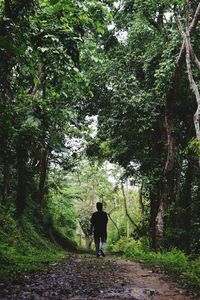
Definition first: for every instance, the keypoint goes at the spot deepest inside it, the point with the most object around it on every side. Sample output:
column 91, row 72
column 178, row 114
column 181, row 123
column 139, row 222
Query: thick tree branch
column 126, row 209
column 41, row 77
column 152, row 22
column 193, row 85
column 158, row 24
column 110, row 212
column 115, row 224
column 192, row 28
column 195, row 20
column 141, row 200
column 194, row 57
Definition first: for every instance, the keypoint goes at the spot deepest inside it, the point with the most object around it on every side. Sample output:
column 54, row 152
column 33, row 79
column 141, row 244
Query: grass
column 24, row 248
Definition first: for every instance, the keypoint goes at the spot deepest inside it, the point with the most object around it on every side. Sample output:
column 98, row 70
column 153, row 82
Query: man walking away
column 99, row 222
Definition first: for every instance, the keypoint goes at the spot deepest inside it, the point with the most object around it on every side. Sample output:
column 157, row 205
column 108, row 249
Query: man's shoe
column 98, row 254
column 102, row 253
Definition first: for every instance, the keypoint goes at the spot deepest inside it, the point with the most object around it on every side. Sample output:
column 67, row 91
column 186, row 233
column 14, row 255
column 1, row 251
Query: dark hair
column 99, row 206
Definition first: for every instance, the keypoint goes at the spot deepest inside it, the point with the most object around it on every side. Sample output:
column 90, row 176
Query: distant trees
column 91, row 182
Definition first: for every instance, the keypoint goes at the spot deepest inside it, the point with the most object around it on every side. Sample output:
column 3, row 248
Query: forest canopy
column 89, row 84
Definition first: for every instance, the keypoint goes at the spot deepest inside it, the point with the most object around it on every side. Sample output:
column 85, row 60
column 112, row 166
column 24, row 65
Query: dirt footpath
column 86, row 277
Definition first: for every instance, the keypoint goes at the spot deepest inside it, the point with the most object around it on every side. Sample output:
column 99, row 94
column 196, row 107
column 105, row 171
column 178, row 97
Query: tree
column 139, row 100
column 42, row 87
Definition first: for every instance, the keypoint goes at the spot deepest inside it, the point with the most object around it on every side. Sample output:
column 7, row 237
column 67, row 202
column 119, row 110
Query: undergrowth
column 24, row 247
column 175, row 262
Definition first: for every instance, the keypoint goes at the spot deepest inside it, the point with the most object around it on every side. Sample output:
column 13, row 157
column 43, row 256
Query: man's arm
column 92, row 224
column 91, row 229
column 106, row 218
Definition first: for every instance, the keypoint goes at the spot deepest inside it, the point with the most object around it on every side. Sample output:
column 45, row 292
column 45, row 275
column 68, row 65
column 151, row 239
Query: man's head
column 99, row 206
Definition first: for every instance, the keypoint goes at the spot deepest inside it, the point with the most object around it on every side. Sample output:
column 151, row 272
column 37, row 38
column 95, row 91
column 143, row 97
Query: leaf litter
column 86, row 277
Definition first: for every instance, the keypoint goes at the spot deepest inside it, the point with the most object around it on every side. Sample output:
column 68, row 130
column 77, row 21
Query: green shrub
column 122, row 244
column 192, row 274
column 174, row 261
column 23, row 247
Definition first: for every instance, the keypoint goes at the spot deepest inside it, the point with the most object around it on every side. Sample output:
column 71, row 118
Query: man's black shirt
column 99, row 221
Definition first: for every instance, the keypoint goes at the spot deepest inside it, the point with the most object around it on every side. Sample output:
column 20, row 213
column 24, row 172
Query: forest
column 100, row 102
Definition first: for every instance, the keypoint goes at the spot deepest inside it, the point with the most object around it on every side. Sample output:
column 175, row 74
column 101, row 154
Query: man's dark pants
column 100, row 237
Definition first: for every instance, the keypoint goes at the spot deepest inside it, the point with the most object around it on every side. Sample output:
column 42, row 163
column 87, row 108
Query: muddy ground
column 86, row 277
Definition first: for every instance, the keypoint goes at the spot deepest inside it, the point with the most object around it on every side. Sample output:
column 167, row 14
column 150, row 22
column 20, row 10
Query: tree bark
column 22, row 177
column 43, row 171
column 168, row 123
column 5, row 183
column 189, row 56
column 192, row 28
column 153, row 211
column 186, row 204
column 11, row 13
column 126, row 208
column 167, row 182
column 115, row 224
column 141, row 201
column 5, row 95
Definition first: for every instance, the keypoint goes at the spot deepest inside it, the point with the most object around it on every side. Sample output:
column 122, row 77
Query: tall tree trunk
column 80, row 236
column 168, row 123
column 22, row 177
column 141, row 203
column 5, row 96
column 167, row 181
column 174, row 216
column 11, row 12
column 5, row 183
column 44, row 149
column 186, row 204
column 154, row 202
column 43, row 171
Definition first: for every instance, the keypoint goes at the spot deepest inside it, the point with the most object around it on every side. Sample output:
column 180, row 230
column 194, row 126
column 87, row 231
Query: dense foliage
column 87, row 82
column 145, row 113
